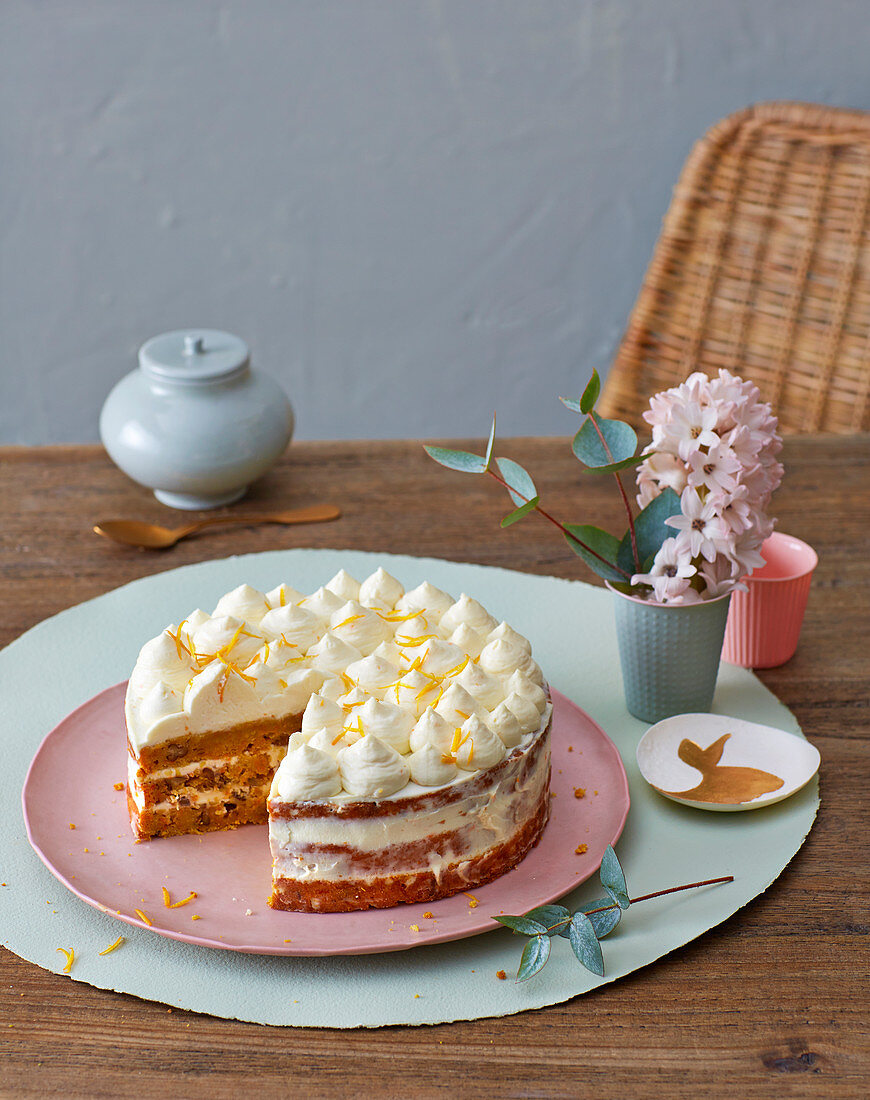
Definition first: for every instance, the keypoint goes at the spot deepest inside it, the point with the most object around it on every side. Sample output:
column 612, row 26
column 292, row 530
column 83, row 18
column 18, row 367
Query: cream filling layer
column 274, row 752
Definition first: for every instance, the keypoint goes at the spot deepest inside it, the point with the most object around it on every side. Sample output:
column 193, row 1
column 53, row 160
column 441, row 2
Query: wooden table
column 773, row 1001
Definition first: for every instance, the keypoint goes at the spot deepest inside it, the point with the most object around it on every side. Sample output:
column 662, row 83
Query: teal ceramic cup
column 669, row 654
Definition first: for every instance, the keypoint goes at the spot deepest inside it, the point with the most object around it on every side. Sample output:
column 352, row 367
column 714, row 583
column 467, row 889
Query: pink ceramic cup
column 764, row 623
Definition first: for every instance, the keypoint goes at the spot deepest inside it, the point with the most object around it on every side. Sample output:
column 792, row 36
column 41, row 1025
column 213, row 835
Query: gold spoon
column 132, row 532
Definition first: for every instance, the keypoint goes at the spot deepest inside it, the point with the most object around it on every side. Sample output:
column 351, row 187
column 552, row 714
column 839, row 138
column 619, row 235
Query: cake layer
column 328, row 856
column 215, row 744
column 222, row 811
column 381, row 891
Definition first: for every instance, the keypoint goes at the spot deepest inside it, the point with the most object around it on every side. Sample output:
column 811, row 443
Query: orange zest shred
column 457, row 739
column 118, row 786
column 170, row 904
column 500, row 974
column 446, row 758
column 470, row 749
column 581, row 849
column 472, row 900
column 112, row 946
column 410, row 641
column 70, row 958
column 71, row 825
column 195, row 916
column 143, row 916
column 336, row 740
column 348, row 683
column 394, row 617
column 346, row 622
column 415, row 927
column 463, row 714
column 457, row 668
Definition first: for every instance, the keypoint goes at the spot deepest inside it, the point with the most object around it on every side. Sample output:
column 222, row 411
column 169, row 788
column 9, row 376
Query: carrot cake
column 397, row 742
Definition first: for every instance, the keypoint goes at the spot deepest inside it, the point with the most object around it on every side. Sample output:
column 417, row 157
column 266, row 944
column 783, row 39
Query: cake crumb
column 87, row 849
column 595, row 792
column 249, row 912
column 415, row 927
column 570, row 748
column 71, row 825
column 118, row 786
column 581, row 849
column 472, row 900
column 428, row 916
column 416, row 996
column 579, row 792
column 500, row 974
column 195, row 916
column 288, row 941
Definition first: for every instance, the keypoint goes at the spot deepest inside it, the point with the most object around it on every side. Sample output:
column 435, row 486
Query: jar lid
column 193, row 355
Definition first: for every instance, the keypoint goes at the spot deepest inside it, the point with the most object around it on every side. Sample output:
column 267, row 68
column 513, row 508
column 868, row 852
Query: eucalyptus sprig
column 588, row 925
column 602, row 446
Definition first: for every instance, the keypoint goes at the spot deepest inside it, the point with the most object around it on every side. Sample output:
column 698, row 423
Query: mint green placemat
column 65, row 660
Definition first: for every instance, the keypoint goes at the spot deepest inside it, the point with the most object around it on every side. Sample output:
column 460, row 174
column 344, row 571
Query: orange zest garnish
column 457, row 668
column 143, row 917
column 457, row 739
column 393, row 617
column 500, row 974
column 446, row 758
column 347, row 621
column 70, row 958
column 581, row 849
column 472, row 900
column 195, row 916
column 464, row 715
column 409, row 641
column 118, row 786
column 167, row 901
column 429, row 916
column 470, row 750
column 71, row 825
column 579, row 792
column 348, row 683
column 423, row 691
column 336, row 740
column 112, row 946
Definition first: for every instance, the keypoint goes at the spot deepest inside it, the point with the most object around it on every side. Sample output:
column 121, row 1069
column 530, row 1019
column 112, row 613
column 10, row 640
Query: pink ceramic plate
column 72, row 782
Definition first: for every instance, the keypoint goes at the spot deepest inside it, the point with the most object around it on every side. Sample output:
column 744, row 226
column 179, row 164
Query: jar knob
column 193, row 345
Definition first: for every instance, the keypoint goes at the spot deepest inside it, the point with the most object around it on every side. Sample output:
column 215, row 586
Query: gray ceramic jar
column 194, row 422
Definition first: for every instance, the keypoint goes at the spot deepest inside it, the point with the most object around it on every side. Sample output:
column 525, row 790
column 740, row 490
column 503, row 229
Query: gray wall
column 415, row 211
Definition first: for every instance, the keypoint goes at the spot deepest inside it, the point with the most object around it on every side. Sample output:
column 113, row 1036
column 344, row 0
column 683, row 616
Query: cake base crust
column 421, row 886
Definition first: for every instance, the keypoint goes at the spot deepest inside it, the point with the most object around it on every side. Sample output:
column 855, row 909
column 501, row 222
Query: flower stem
column 561, row 526
column 646, row 897
column 631, row 530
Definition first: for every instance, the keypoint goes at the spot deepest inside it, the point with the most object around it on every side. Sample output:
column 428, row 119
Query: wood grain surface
column 773, row 1002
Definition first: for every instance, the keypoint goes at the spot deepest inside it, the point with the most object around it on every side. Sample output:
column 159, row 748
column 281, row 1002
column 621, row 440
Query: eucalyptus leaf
column 551, row 914
column 571, row 403
column 603, row 543
column 535, row 954
column 616, row 452
column 488, row 457
column 650, row 530
column 585, row 945
column 613, row 878
column 519, row 481
column 606, row 919
column 463, row 461
column 526, row 926
column 518, row 513
column 590, row 394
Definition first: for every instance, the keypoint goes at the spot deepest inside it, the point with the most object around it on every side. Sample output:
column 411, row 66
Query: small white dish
column 726, row 764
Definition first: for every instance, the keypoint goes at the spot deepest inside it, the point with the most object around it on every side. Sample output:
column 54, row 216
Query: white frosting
column 306, row 774
column 520, row 684
column 470, row 613
column 503, row 722
column 389, row 724
column 425, row 598
column 440, row 658
column 432, row 729
column 283, row 594
column 358, row 626
column 486, row 689
column 322, row 715
column 480, row 748
column 333, row 654
column 322, row 603
column 468, row 640
column 373, row 674
column 344, row 586
column 293, row 624
column 430, row 767
column 505, row 633
column 525, row 712
column 457, row 706
column 372, row 769
column 380, row 591
column 243, row 603
column 343, row 657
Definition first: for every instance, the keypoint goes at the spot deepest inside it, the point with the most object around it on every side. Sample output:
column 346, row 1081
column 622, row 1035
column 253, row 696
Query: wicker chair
column 763, row 267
